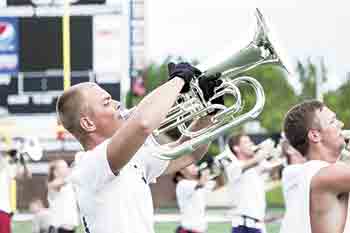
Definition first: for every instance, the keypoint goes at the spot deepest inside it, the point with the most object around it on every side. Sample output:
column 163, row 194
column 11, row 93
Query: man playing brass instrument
column 61, row 198
column 246, row 185
column 319, row 202
column 192, row 186
column 112, row 176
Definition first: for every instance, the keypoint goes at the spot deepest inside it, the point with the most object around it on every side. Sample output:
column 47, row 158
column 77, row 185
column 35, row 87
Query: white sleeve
column 209, row 186
column 264, row 166
column 185, row 189
column 35, row 225
column 234, row 170
column 92, row 170
column 153, row 166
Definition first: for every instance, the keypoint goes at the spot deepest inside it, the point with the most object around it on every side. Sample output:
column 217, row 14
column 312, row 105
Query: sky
column 202, row 29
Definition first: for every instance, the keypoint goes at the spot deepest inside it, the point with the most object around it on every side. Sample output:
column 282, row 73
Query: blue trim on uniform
column 245, row 229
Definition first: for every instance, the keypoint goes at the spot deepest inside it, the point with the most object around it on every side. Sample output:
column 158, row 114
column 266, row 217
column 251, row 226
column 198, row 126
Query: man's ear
column 87, row 125
column 314, row 135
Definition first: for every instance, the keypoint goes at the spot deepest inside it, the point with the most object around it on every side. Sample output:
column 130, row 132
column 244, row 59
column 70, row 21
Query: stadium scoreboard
column 36, row 76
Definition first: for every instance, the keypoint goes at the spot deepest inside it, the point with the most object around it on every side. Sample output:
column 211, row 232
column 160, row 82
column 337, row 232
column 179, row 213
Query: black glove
column 185, row 71
column 207, row 85
column 210, row 161
column 12, row 153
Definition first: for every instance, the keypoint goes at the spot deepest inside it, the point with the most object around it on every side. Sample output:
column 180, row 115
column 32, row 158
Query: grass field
column 164, row 227
column 169, row 227
column 274, row 202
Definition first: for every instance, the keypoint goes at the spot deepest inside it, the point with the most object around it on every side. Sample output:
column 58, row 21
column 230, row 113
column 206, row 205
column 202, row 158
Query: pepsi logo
column 7, row 33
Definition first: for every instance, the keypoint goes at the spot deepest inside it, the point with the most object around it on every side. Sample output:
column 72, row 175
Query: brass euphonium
column 191, row 106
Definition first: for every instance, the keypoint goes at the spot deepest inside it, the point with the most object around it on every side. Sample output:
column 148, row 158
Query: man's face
column 103, row 111
column 246, row 146
column 330, row 130
column 190, row 172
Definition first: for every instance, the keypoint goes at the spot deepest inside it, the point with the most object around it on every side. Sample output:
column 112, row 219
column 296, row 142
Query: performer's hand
column 210, row 161
column 208, row 85
column 12, row 153
column 223, row 162
column 185, row 71
column 262, row 155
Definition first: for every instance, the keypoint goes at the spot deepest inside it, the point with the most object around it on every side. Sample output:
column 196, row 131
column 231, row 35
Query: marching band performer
column 246, row 185
column 192, row 186
column 112, row 176
column 61, row 197
column 318, row 202
column 41, row 220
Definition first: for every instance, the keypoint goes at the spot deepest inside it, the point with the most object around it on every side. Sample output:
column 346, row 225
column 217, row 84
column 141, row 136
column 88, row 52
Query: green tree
column 338, row 101
column 279, row 94
column 153, row 76
column 308, row 75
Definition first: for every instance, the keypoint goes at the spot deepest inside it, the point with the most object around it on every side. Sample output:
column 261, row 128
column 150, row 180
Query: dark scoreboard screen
column 29, row 2
column 40, row 81
column 41, row 43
